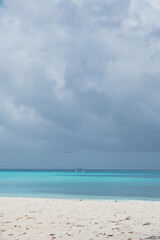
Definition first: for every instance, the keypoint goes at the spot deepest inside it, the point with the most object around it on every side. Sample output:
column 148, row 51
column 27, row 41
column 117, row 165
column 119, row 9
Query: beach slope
column 48, row 219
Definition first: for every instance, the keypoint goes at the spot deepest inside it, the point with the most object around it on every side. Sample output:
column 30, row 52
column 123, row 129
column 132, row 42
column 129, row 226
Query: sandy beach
column 48, row 219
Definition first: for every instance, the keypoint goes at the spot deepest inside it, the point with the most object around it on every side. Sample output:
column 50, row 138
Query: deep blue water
column 99, row 184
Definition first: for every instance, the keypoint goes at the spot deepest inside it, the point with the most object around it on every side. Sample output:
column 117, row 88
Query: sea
column 81, row 184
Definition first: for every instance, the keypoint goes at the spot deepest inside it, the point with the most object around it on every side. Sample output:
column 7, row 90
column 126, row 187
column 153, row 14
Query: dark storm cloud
column 80, row 75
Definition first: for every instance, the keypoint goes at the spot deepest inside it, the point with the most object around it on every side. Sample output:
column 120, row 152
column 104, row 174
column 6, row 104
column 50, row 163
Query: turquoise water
column 99, row 184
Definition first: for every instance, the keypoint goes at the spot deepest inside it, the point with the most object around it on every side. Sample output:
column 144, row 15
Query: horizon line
column 108, row 169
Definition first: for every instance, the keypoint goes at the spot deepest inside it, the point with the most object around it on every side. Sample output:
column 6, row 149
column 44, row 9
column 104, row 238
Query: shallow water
column 99, row 184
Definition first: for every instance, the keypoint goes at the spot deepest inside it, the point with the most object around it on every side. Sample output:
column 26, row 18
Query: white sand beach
column 49, row 219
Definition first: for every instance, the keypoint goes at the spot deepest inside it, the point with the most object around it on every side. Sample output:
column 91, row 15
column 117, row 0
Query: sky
column 80, row 84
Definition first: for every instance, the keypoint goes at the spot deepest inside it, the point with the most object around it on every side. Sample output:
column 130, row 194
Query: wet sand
column 49, row 219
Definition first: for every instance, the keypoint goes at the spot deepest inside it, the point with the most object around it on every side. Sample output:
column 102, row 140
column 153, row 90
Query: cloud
column 80, row 75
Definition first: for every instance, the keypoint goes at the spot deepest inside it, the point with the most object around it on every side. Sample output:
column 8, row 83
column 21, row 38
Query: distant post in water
column 79, row 170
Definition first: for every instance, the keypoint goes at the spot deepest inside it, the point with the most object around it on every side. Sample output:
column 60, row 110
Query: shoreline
column 84, row 199
column 77, row 219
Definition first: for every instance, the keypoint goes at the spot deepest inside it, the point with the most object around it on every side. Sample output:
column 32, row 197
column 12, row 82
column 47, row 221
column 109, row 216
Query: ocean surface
column 90, row 184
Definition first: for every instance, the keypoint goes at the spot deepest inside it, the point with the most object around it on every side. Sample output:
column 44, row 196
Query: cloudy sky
column 80, row 83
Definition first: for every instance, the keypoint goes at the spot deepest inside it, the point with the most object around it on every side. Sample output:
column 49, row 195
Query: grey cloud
column 80, row 75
